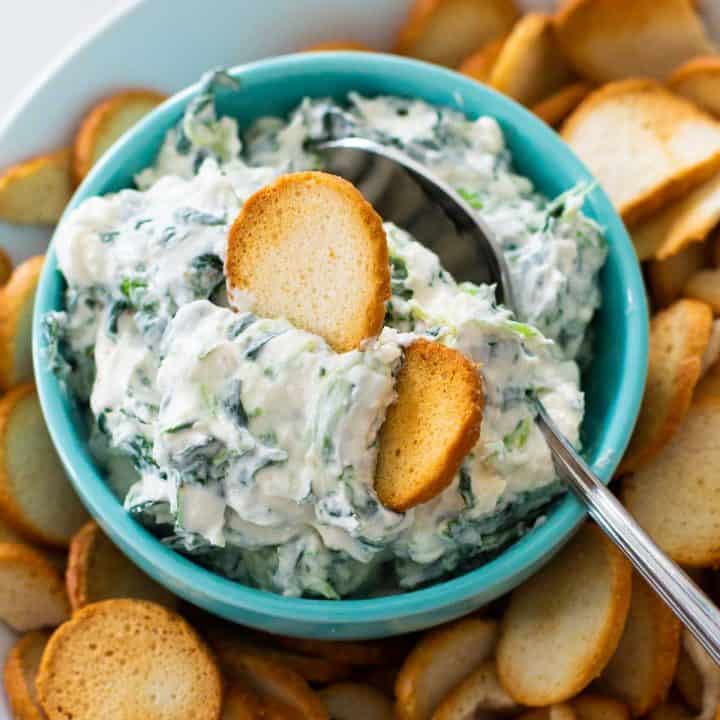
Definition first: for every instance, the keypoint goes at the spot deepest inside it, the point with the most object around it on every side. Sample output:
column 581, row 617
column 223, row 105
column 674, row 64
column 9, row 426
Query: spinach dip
column 247, row 443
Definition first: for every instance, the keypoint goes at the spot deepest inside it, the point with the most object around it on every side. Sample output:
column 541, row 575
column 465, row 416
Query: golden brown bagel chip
column 667, row 278
column 674, row 495
column 612, row 39
column 431, row 427
column 442, row 658
column 699, row 80
column 530, row 66
column 479, row 65
column 32, row 593
column 356, row 701
column 679, row 336
column 645, row 145
column 310, row 248
column 106, row 122
column 35, row 495
column 125, row 660
column 555, row 108
column 35, row 192
column 21, row 667
column 641, row 671
column 704, row 285
column 97, row 570
column 446, row 31
column 341, row 44
column 565, row 622
column 593, row 706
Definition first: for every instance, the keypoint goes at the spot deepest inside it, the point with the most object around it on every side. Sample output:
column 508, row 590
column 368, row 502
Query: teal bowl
column 613, row 384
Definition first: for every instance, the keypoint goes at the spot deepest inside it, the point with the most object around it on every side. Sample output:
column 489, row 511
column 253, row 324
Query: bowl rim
column 211, row 590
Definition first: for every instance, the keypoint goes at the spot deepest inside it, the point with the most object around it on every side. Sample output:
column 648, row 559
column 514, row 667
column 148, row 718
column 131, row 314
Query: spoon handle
column 685, row 599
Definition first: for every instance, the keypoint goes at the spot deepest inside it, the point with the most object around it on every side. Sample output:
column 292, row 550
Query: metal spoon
column 407, row 193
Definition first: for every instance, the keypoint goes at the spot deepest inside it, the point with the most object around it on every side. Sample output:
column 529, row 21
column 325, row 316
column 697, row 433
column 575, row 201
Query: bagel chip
column 274, row 681
column 32, row 593
column 128, row 659
column 641, row 671
column 431, row 427
column 35, row 494
column 689, row 681
column 593, row 706
column 478, row 694
column 611, row 39
column 555, row 108
column 564, row 624
column 645, row 145
column 106, row 122
column 446, row 31
column 703, row 691
column 6, row 267
column 310, row 248
column 680, row 225
column 530, row 66
column 442, row 658
column 699, row 80
column 674, row 495
column 558, row 711
column 479, row 65
column 356, row 701
column 679, row 336
column 242, row 703
column 35, row 192
column 97, row 570
column 704, row 285
column 666, row 279
column 21, row 667
column 17, row 298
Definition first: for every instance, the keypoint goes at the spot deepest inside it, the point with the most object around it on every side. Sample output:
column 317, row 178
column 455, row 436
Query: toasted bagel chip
column 667, row 278
column 232, row 646
column 674, row 495
column 699, row 80
column 356, row 701
column 431, row 427
column 478, row 694
column 97, row 570
column 593, row 706
column 446, row 31
column 128, row 659
column 711, row 356
column 442, row 658
column 611, row 39
column 530, row 66
column 479, row 65
column 341, row 44
column 21, row 667
column 274, row 680
column 679, row 336
column 17, row 298
column 32, row 593
column 106, row 122
column 643, row 144
column 310, row 248
column 367, row 652
column 680, row 225
column 641, row 671
column 704, row 285
column 35, row 192
column 35, row 495
column 555, row 108
column 6, row 267
column 564, row 624
column 709, row 385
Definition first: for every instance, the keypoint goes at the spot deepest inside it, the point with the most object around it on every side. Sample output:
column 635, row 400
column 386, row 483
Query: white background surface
column 34, row 32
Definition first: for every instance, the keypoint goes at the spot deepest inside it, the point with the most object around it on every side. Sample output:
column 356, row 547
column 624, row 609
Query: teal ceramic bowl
column 613, row 383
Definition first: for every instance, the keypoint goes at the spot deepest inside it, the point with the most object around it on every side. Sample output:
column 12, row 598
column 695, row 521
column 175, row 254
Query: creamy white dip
column 248, row 443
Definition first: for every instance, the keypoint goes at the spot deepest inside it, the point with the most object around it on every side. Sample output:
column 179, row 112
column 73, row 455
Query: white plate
column 168, row 44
